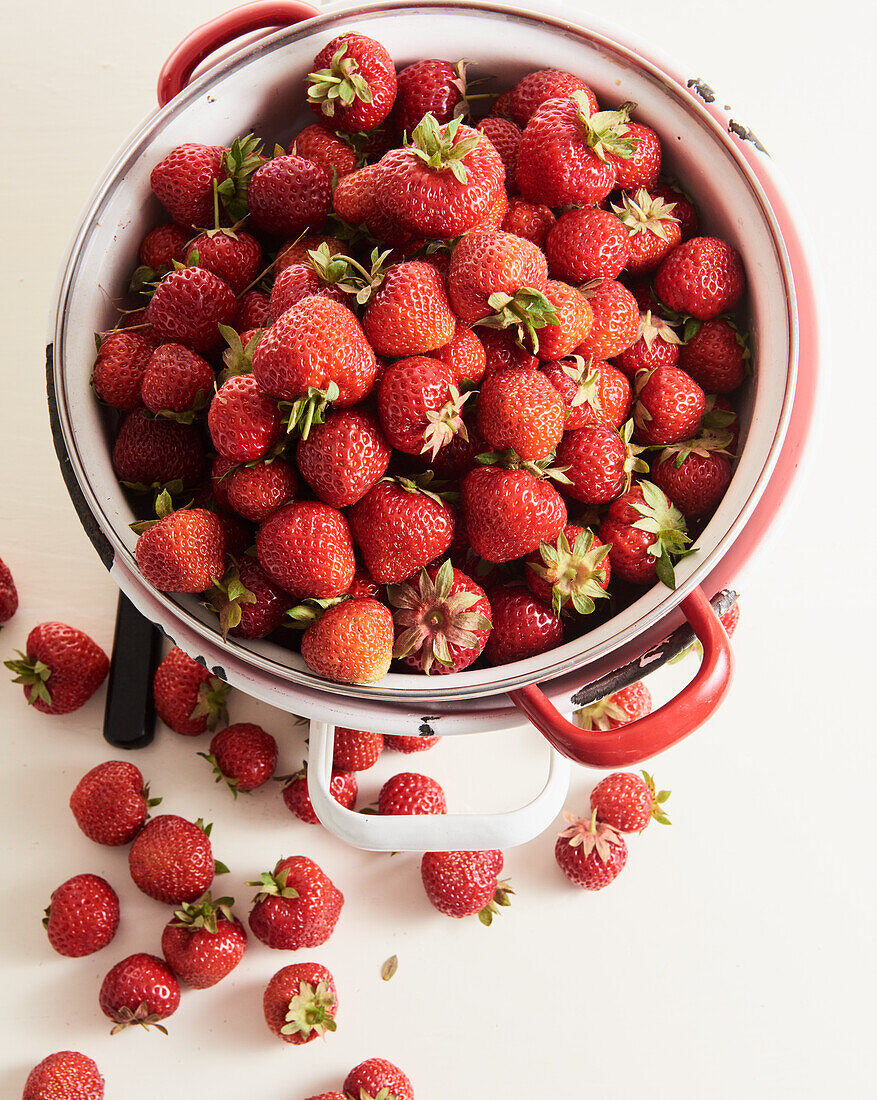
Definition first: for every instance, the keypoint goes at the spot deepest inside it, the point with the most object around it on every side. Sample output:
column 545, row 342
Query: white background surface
column 734, row 955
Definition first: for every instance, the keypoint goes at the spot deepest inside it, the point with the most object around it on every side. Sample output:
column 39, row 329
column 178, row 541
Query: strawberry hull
column 722, row 167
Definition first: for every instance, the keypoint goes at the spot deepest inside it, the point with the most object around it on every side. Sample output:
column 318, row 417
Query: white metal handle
column 429, row 832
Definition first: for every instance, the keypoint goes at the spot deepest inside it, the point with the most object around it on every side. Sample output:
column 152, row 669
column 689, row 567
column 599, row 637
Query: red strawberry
column 306, row 548
column 356, row 750
column 657, row 345
column 342, row 786
column 152, row 453
column 252, row 310
column 82, row 916
column 509, row 512
column 505, row 136
column 355, row 201
column 597, row 461
column 587, row 244
column 683, row 209
column 419, row 405
column 119, row 368
column 625, row 705
column 652, row 227
column 300, row 281
column 628, row 803
column 501, row 350
column 344, row 457
column 289, row 195
column 204, row 942
column 590, row 853
column 399, row 529
column 616, row 320
column 493, row 219
column 592, row 392
column 703, row 277
column 164, row 244
column 522, row 626
column 442, row 624
column 375, row 1075
column 521, row 409
column 184, row 182
column 351, row 643
column 461, row 884
column 353, row 83
column 641, row 167
column 409, row 314
column 411, row 793
column 297, row 906
column 534, row 89
column 694, row 475
column 300, row 1003
column 336, row 154
column 443, row 183
column 232, row 255
column 171, row 859
column 410, row 744
column 243, row 755
column 188, row 697
column 244, row 424
column 464, row 354
column 329, row 1096
column 572, row 571
column 645, row 532
column 141, row 989
column 430, row 87
column 8, row 593
column 716, row 356
column 530, row 220
column 730, row 619
column 669, row 406
column 297, row 251
column 257, row 490
column 65, row 1075
column 184, row 551
column 189, row 305
column 490, row 262
column 248, row 602
column 574, row 318
column 61, row 669
column 176, row 380
column 111, row 803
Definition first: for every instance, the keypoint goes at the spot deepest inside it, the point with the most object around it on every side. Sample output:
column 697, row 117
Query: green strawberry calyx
column 341, row 82
column 664, row 520
column 307, row 612
column 164, row 506
column 237, row 358
column 539, row 468
column 527, row 310
column 33, row 673
column 650, row 328
column 220, row 774
column 227, row 598
column 658, row 800
column 204, row 914
column 444, row 423
column 273, row 886
column 633, row 464
column 715, row 419
column 348, row 274
column 576, row 573
column 239, row 162
column 591, row 835
column 640, row 213
column 310, row 1010
column 706, row 443
column 605, row 714
column 431, row 619
column 605, row 131
column 309, row 409
column 500, row 900
column 427, row 484
column 586, row 378
column 211, row 702
column 437, row 148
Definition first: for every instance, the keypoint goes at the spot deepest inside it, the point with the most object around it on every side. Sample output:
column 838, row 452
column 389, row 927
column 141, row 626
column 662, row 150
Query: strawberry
column 669, row 406
column 656, row 345
column 652, row 228
column 645, row 532
column 716, row 356
column 443, row 624
column 505, row 136
column 306, row 548
column 597, row 461
column 695, row 474
column 443, row 182
column 188, row 697
column 683, row 208
column 410, row 744
column 298, row 281
column 355, row 750
column 336, row 154
column 351, row 643
column 342, row 786
column 500, row 106
column 375, row 1076
column 628, row 803
column 464, row 354
column 256, row 490
column 344, row 457
column 353, row 83
column 490, row 262
column 244, row 423
column 204, row 942
column 119, row 368
column 616, row 320
column 530, row 220
column 509, row 512
column 400, row 528
column 298, row 250
column 589, row 853
column 521, row 409
column 355, row 201
column 232, row 255
column 501, row 350
column 431, row 87
column 61, row 668
column 703, row 277
column 572, row 571
column 171, row 859
column 65, row 1075
column 409, row 314
column 252, row 310
column 289, row 195
column 184, row 182
column 329, row 1096
column 189, row 305
column 595, row 391
column 82, row 916
column 730, row 619
column 243, row 755
column 248, row 603
column 297, row 906
column 300, row 1003
column 719, row 415
column 419, row 405
column 574, row 320
column 641, row 167
column 461, row 884
column 176, row 380
column 522, row 626
column 587, row 244
column 625, row 705
column 410, row 793
column 535, row 88
column 111, row 802
column 162, row 245
column 492, row 219
column 183, row 551
column 8, row 593
column 142, row 990
column 150, row 453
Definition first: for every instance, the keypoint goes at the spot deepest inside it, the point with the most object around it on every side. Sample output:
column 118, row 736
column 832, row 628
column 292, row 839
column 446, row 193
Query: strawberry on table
column 523, row 626
column 82, row 916
column 407, row 745
column 61, row 668
column 242, row 755
column 297, row 906
column 64, row 1075
column 111, row 802
column 628, row 802
column 351, row 643
column 140, row 990
column 171, row 859
column 121, row 363
column 188, row 697
column 509, row 512
column 342, row 458
column 353, row 83
column 8, row 593
column 342, row 786
column 702, row 277
column 625, row 705
column 376, row 1075
column 300, row 1003
column 590, row 853
column 204, row 941
column 461, row 884
column 411, row 793
column 356, row 750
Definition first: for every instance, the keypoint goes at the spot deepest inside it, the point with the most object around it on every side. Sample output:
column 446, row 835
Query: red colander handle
column 216, row 33
column 637, row 741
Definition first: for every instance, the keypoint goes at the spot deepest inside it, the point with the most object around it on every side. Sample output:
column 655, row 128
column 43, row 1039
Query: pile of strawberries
column 418, row 386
